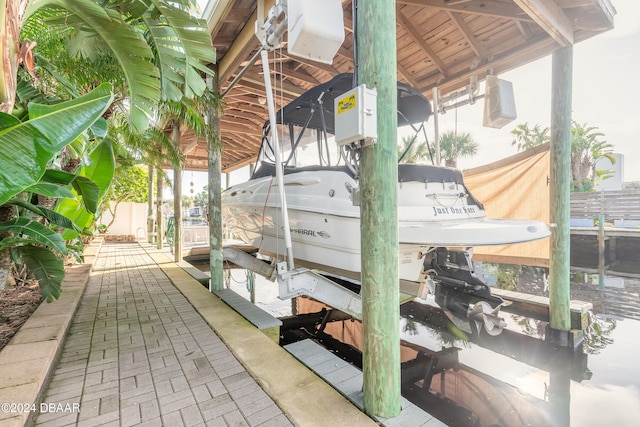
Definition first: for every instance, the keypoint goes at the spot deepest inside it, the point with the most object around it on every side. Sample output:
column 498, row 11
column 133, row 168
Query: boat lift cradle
column 302, row 281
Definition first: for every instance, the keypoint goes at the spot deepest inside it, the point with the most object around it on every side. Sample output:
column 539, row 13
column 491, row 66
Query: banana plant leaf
column 55, row 176
column 89, row 191
column 27, row 147
column 36, row 231
column 83, row 186
column 100, row 172
column 46, row 267
column 52, row 216
column 51, row 190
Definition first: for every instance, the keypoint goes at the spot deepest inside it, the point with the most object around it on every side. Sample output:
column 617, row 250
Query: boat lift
column 317, row 43
column 305, row 282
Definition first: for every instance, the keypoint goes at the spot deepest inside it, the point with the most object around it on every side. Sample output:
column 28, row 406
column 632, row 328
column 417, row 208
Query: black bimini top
column 413, row 107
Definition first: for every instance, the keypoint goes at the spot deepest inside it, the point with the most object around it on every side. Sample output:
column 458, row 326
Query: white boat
column 435, row 209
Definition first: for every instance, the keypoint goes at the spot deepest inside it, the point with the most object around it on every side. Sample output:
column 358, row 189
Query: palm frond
column 196, row 44
column 127, row 45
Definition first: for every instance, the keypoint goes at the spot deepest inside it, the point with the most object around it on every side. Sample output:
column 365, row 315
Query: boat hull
column 325, row 225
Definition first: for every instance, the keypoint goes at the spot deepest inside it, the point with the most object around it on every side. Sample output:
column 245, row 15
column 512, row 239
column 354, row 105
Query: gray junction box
column 356, row 116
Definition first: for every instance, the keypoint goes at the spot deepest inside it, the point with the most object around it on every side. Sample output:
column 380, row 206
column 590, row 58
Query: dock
column 348, row 380
column 146, row 343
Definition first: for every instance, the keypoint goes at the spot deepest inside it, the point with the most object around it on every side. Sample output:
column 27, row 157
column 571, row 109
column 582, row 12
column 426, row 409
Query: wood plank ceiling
column 440, row 43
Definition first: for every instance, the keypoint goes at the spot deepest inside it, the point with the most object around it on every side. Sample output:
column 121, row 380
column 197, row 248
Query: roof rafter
column 486, row 7
column 462, row 26
column 413, row 33
column 550, row 18
column 245, row 43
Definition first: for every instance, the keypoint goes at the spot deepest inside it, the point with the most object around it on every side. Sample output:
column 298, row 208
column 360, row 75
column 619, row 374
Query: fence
column 619, row 207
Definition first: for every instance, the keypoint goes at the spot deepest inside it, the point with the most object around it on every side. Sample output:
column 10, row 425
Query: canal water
column 469, row 378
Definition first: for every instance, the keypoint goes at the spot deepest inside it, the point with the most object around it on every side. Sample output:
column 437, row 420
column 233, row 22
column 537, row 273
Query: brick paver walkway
column 138, row 353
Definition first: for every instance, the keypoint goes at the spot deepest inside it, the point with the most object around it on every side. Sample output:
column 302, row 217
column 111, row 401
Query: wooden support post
column 150, row 221
column 376, row 54
column 159, row 235
column 559, row 272
column 215, row 193
column 177, row 201
column 601, row 251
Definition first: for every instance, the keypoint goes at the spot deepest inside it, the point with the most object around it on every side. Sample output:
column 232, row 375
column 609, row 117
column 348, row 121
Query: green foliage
column 100, row 171
column 156, row 49
column 129, row 185
column 508, row 276
column 202, row 198
column 27, row 147
column 46, row 267
column 35, row 232
column 412, row 151
column 46, row 130
column 454, row 146
column 40, row 248
column 526, row 138
column 587, row 148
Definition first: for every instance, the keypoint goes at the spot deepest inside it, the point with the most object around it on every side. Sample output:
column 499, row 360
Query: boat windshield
column 301, row 147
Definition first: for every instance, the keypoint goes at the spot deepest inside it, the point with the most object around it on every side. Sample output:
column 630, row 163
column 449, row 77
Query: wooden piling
column 601, row 251
column 150, row 221
column 559, row 272
column 159, row 232
column 376, row 55
column 214, row 183
column 177, row 200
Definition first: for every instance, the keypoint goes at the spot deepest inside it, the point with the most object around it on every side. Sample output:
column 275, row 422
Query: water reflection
column 466, row 378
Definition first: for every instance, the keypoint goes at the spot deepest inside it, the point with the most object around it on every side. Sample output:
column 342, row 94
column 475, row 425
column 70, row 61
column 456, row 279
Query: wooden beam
column 407, row 76
column 297, row 74
column 177, row 200
column 468, row 35
column 533, row 49
column 417, row 38
column 230, row 167
column 214, row 13
column 256, row 81
column 317, row 65
column 240, row 113
column 494, row 8
column 245, row 43
column 235, row 128
column 548, row 15
column 214, row 202
column 244, row 149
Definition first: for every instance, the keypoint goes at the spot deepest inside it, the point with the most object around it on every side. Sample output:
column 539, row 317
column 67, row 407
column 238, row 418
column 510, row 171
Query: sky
column 606, row 95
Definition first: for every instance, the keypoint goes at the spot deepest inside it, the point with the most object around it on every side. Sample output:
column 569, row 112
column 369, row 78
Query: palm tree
column 454, row 146
column 526, row 138
column 179, row 116
column 157, row 48
column 586, row 150
column 411, row 151
column 160, row 48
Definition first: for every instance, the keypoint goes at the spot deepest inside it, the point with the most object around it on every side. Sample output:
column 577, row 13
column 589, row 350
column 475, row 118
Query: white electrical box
column 356, row 116
column 316, row 29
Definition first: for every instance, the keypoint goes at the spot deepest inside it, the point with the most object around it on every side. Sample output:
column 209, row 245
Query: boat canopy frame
column 314, row 111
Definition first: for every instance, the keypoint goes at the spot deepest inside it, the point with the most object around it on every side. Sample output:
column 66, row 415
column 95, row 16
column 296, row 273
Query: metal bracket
column 301, row 281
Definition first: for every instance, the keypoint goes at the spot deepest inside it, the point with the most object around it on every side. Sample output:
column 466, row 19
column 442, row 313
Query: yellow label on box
column 347, row 103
